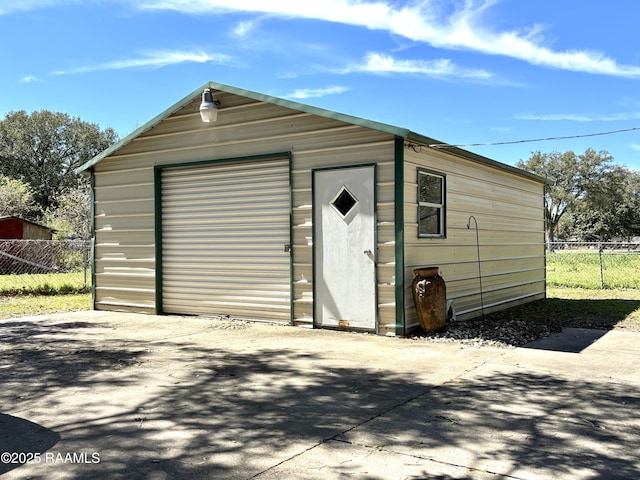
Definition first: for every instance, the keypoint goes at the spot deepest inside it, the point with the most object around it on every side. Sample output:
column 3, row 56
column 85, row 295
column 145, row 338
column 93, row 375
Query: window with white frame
column 431, row 204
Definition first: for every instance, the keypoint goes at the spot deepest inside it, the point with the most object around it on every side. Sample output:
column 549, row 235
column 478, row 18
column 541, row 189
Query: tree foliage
column 604, row 213
column 16, row 198
column 616, row 203
column 71, row 217
column 39, row 153
column 43, row 149
column 629, row 211
column 577, row 181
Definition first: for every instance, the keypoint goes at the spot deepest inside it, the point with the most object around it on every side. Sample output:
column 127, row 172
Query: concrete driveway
column 120, row 396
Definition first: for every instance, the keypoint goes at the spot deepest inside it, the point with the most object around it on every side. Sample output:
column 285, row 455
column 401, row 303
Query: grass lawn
column 39, row 294
column 25, row 305
column 586, row 308
column 583, row 270
column 44, row 284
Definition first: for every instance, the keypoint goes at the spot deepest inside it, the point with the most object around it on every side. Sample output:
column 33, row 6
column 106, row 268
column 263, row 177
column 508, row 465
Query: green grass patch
column 27, row 305
column 586, row 294
column 583, row 270
column 45, row 284
column 585, row 308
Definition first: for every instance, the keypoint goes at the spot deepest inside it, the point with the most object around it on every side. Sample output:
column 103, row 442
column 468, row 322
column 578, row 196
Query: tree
column 628, row 212
column 16, row 198
column 574, row 176
column 596, row 217
column 44, row 149
column 71, row 217
column 610, row 209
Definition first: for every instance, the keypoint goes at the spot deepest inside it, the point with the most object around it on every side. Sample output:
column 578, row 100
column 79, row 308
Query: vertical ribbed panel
column 224, row 228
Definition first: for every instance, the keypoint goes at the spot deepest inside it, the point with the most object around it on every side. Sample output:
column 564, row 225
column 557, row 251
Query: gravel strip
column 503, row 332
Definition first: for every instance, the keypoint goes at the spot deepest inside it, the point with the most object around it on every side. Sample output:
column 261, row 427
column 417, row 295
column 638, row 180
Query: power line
column 447, row 145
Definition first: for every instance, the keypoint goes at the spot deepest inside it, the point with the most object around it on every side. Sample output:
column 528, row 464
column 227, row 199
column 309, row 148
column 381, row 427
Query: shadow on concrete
column 518, row 425
column 45, row 358
column 570, row 340
column 22, row 440
column 601, row 314
column 220, row 413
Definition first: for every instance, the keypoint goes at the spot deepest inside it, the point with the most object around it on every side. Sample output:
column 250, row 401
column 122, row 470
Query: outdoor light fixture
column 208, row 107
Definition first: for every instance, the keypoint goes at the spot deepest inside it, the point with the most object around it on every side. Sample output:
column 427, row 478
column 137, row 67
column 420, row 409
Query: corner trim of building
column 92, row 228
column 399, row 235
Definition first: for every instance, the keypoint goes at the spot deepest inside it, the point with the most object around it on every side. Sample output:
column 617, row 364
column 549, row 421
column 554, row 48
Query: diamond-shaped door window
column 344, row 201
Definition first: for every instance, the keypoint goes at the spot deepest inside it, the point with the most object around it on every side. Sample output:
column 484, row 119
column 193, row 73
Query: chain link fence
column 63, row 266
column 596, row 265
column 44, row 266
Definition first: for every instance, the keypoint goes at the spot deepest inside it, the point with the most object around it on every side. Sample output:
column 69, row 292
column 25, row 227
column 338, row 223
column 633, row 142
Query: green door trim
column 399, row 235
column 157, row 187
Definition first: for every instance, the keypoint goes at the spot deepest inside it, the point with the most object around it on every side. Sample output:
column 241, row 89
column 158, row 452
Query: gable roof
column 371, row 124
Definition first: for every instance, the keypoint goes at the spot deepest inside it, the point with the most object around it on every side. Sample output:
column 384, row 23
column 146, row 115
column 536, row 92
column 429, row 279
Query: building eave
column 349, row 119
column 459, row 152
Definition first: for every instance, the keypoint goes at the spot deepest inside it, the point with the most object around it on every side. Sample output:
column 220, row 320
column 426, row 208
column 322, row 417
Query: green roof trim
column 361, row 122
column 140, row 130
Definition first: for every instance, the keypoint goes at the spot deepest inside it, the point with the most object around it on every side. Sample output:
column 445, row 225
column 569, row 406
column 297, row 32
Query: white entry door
column 344, row 248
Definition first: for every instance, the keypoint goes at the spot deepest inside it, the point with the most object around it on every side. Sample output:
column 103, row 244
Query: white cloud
column 287, row 75
column 635, row 146
column 340, row 11
column 29, row 79
column 461, row 27
column 381, row 63
column 454, row 25
column 153, row 59
column 10, row 6
column 242, row 29
column 580, row 117
column 316, row 92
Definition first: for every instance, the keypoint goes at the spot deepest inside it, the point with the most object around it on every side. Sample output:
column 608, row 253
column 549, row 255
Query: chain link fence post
column 601, row 267
column 596, row 265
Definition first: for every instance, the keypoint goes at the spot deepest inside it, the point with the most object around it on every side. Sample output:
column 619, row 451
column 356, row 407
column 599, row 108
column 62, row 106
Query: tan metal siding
column 224, row 227
column 125, row 250
column 244, row 128
column 509, row 212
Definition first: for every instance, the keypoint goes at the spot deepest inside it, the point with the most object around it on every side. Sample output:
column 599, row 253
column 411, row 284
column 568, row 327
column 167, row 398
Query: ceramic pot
column 430, row 298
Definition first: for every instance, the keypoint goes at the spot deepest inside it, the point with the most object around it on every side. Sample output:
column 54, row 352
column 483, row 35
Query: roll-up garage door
column 224, row 231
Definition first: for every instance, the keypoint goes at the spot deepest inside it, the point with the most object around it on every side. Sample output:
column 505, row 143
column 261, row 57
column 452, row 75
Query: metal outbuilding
column 286, row 212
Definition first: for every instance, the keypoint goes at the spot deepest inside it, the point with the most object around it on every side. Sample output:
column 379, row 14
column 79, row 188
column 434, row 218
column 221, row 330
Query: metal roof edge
column 140, row 130
column 428, row 142
column 303, row 107
column 385, row 128
column 350, row 119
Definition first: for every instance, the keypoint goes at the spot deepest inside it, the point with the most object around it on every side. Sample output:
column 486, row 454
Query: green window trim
column 431, row 204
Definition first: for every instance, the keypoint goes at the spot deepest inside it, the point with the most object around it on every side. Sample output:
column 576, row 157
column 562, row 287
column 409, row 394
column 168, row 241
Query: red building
column 20, row 229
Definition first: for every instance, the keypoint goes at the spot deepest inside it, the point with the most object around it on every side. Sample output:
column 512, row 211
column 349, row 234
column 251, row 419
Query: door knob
column 368, row 252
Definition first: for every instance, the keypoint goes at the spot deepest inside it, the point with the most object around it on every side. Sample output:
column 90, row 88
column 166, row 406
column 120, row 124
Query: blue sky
column 461, row 71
